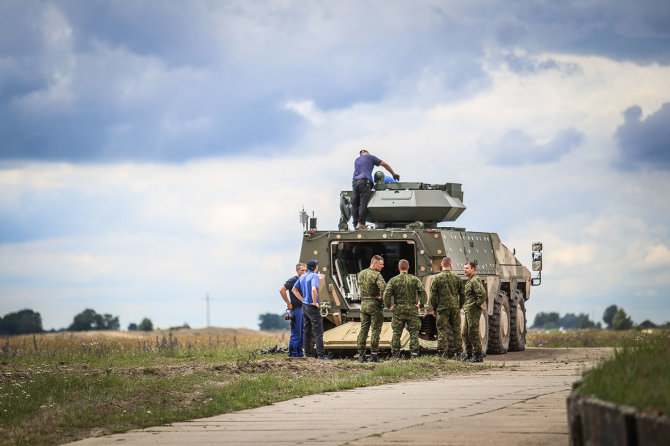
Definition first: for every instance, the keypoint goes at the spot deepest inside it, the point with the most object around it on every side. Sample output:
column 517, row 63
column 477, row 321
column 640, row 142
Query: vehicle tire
column 484, row 329
column 517, row 323
column 499, row 325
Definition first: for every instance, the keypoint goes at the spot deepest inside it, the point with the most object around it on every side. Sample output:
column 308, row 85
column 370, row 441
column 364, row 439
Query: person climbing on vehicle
column 362, row 185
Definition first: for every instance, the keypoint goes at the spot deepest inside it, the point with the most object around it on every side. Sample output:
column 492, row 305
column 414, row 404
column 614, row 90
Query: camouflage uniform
column 475, row 294
column 371, row 284
column 446, row 298
column 401, row 291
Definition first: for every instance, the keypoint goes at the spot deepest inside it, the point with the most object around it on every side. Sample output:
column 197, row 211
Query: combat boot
column 465, row 357
column 374, row 357
column 413, row 355
column 457, row 356
column 395, row 357
column 361, row 356
column 478, row 357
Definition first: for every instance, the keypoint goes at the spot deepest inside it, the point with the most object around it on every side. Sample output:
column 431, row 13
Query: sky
column 155, row 153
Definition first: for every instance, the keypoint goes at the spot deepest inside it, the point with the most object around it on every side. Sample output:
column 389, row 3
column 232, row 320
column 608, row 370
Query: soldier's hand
column 316, row 304
column 396, row 177
column 392, row 307
column 482, row 307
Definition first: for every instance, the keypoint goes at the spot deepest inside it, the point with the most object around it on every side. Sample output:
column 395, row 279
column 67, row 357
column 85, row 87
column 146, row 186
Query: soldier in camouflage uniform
column 401, row 297
column 447, row 298
column 475, row 294
column 371, row 284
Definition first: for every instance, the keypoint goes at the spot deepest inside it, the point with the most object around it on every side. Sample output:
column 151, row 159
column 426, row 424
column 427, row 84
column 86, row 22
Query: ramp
column 346, row 335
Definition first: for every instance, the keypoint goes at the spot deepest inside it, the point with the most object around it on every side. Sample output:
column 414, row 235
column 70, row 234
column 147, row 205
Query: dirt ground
column 521, row 402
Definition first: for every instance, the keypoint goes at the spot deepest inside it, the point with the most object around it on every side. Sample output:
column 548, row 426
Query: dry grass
column 59, row 388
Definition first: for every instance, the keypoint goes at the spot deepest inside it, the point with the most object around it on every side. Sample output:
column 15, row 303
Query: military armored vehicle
column 406, row 217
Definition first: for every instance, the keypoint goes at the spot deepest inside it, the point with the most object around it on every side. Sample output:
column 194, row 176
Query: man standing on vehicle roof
column 401, row 297
column 446, row 298
column 372, row 284
column 475, row 294
column 294, row 306
column 362, row 185
column 306, row 289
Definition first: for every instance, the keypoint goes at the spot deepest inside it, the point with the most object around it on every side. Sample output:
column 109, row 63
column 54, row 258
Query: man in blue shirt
column 362, row 185
column 306, row 289
column 295, row 307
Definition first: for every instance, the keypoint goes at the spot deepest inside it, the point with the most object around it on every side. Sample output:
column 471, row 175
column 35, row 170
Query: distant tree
column 583, row 321
column 546, row 320
column 21, row 322
column 567, row 321
column 146, row 325
column 645, row 325
column 271, row 321
column 608, row 315
column 110, row 322
column 621, row 321
column 90, row 320
column 132, row 327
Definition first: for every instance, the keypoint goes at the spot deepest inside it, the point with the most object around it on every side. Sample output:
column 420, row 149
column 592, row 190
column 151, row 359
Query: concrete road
column 522, row 403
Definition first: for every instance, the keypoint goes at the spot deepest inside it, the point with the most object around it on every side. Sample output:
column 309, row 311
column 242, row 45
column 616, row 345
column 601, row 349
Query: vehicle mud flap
column 499, row 325
column 345, row 337
column 517, row 323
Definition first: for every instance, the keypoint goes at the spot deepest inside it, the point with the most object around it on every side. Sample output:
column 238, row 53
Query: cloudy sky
column 153, row 152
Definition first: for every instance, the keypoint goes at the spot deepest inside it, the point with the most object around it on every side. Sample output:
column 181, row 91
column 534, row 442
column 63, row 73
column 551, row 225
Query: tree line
column 28, row 322
column 614, row 317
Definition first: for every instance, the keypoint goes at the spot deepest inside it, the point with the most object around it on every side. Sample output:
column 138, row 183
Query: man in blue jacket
column 295, row 307
column 306, row 289
column 362, row 185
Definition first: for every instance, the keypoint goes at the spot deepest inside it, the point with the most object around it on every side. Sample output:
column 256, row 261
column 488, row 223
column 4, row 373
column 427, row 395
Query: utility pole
column 207, row 299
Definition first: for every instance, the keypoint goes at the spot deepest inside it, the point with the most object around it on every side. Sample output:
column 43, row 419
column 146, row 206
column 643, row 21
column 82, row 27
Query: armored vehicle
column 406, row 217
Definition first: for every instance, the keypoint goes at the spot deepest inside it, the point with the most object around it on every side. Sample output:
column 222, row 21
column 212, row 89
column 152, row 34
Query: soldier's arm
column 433, row 294
column 388, row 295
column 461, row 293
column 381, row 284
column 422, row 293
column 284, row 295
column 481, row 293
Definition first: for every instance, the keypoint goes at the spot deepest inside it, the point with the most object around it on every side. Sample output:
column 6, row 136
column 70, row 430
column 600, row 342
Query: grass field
column 588, row 338
column 62, row 387
column 638, row 375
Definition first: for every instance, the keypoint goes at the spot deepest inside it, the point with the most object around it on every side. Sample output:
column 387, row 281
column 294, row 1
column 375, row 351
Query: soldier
column 446, row 298
column 371, row 284
column 295, row 307
column 401, row 297
column 475, row 294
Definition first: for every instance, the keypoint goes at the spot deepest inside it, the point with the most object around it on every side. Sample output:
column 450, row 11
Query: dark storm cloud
column 516, row 147
column 645, row 142
column 146, row 80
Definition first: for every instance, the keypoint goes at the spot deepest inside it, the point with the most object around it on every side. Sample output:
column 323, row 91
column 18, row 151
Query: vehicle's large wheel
column 499, row 325
column 484, row 328
column 517, row 322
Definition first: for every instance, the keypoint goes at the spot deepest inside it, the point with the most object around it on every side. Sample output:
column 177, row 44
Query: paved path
column 521, row 403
